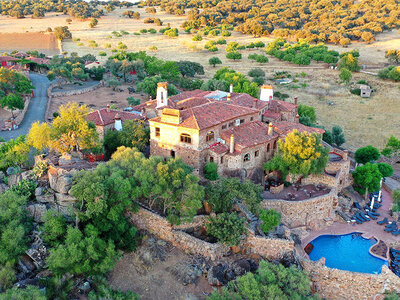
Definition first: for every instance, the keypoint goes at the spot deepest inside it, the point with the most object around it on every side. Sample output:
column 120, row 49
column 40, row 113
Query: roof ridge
column 194, row 117
column 101, row 118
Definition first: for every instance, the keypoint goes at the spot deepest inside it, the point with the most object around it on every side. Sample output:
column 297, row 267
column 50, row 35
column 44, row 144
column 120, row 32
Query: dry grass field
column 365, row 121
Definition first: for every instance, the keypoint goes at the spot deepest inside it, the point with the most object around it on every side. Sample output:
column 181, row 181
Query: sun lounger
column 372, row 216
column 397, row 232
column 384, row 221
column 393, row 224
column 375, row 214
column 390, row 229
column 358, row 219
column 395, row 251
column 357, row 205
column 362, row 217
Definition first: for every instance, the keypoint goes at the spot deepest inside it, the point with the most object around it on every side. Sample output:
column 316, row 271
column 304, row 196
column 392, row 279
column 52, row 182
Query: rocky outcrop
column 37, row 211
column 60, row 180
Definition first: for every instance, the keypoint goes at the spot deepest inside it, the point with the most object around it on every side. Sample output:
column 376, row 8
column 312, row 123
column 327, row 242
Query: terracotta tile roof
column 219, row 148
column 188, row 94
column 191, row 102
column 210, row 114
column 8, row 58
column 41, row 61
column 249, row 134
column 272, row 115
column 246, row 100
column 103, row 117
column 278, row 105
column 284, row 127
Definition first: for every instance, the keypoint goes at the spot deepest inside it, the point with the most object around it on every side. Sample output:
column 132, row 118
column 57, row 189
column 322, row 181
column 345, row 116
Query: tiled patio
column 297, row 193
column 369, row 229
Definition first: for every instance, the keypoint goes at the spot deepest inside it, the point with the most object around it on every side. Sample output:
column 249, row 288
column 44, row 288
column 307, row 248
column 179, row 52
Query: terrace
column 297, row 192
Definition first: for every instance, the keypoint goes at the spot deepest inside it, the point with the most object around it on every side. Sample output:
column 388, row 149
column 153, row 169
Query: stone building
column 234, row 130
column 107, row 118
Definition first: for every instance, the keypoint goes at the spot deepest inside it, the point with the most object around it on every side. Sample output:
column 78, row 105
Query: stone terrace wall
column 338, row 284
column 77, row 91
column 155, row 224
column 310, row 213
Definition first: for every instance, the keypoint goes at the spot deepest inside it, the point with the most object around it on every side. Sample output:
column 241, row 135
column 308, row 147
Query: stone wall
column 20, row 114
column 338, row 284
column 78, row 91
column 311, row 213
column 267, row 247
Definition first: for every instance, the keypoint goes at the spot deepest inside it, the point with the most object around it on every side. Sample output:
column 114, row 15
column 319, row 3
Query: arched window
column 246, row 157
column 186, row 138
column 268, row 148
column 275, row 144
column 210, row 136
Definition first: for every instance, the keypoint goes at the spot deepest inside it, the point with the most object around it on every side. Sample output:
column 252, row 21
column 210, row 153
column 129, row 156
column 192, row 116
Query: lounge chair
column 393, row 224
column 372, row 216
column 384, row 221
column 362, row 217
column 375, row 214
column 390, row 229
column 357, row 205
column 395, row 251
column 367, row 218
column 358, row 219
column 397, row 232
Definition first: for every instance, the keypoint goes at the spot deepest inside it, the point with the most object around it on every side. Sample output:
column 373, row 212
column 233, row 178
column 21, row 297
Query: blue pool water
column 347, row 252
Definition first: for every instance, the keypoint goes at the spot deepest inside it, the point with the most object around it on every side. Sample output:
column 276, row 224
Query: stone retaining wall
column 311, row 213
column 338, row 284
column 159, row 226
column 75, row 91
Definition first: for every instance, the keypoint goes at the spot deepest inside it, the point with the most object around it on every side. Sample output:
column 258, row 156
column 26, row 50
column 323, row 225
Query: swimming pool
column 348, row 252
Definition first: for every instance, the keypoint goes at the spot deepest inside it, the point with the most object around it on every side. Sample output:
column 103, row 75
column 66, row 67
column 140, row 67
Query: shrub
column 259, row 80
column 221, row 42
column 211, row 171
column 356, row 91
column 213, row 49
column 172, row 32
column 152, row 30
column 25, row 188
column 225, row 33
column 234, row 55
column 227, row 228
column 54, row 228
column 102, row 53
column 7, row 276
column 153, row 48
column 271, row 218
column 262, row 59
column 256, row 72
column 214, row 61
column 133, row 101
column 197, row 38
column 143, row 30
column 366, row 154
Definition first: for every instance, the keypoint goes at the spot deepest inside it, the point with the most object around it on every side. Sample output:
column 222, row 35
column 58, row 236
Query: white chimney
column 270, row 129
column 118, row 122
column 162, row 94
column 266, row 93
column 232, row 144
column 231, row 88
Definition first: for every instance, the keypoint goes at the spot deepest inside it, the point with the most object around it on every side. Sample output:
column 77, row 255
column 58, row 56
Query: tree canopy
column 299, row 154
column 367, row 178
column 366, row 154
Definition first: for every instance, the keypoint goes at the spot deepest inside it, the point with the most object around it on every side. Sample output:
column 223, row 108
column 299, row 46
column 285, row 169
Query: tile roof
column 210, row 114
column 246, row 100
column 249, row 134
column 191, row 102
column 41, row 61
column 188, row 94
column 105, row 116
column 219, row 148
column 277, row 105
column 272, row 115
column 285, row 127
column 8, row 58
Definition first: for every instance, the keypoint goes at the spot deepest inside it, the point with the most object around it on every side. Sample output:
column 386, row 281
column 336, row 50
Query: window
column 275, row 145
column 210, row 136
column 222, row 159
column 246, row 157
column 185, row 138
column 223, row 127
column 157, row 131
column 268, row 148
column 211, row 159
column 230, row 124
column 251, row 119
column 256, row 153
column 241, row 121
column 237, row 122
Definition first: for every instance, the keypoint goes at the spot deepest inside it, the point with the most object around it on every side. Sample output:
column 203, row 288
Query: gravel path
column 36, row 109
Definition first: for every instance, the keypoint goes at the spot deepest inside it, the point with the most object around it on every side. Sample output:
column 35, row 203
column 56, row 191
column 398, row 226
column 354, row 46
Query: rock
column 37, row 211
column 235, row 249
column 26, row 265
column 2, row 175
column 11, row 171
column 47, row 198
column 27, row 175
column 65, row 200
column 186, row 272
column 38, row 251
column 288, row 259
column 216, row 275
column 60, row 180
column 3, row 188
column 280, row 231
column 13, row 179
column 39, row 191
column 241, row 267
column 84, row 287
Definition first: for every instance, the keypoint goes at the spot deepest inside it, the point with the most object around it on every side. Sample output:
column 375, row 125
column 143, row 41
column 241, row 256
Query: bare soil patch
column 43, row 42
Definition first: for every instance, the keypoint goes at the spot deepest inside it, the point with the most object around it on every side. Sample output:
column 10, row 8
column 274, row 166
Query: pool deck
column 368, row 229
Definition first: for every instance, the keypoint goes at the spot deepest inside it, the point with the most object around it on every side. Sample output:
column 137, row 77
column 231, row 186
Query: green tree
column 366, row 154
column 227, row 228
column 345, row 75
column 12, row 102
column 270, row 219
column 367, row 178
column 392, row 147
column 214, row 61
column 29, row 293
column 349, row 62
column 211, row 171
column 306, row 111
column 337, row 136
column 62, row 33
column 190, row 69
column 256, row 72
column 385, row 169
column 149, row 86
column 271, row 281
column 396, row 200
column 234, row 55
column 54, row 228
column 93, row 23
column 299, row 154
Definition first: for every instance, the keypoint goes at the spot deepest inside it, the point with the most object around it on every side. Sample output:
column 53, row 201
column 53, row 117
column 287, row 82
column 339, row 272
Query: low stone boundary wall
column 159, row 226
column 338, row 284
column 310, row 213
column 75, row 91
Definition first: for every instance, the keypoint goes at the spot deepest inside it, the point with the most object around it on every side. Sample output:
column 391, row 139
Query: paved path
column 36, row 109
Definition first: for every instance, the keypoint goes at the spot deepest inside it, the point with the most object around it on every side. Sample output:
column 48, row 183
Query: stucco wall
column 338, row 284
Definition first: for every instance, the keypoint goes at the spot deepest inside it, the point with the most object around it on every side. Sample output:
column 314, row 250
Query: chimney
column 255, row 103
column 295, row 100
column 143, row 112
column 297, row 118
column 231, row 88
column 270, row 129
column 162, row 94
column 150, row 98
column 232, row 144
column 228, row 98
column 118, row 123
column 108, row 108
column 266, row 93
